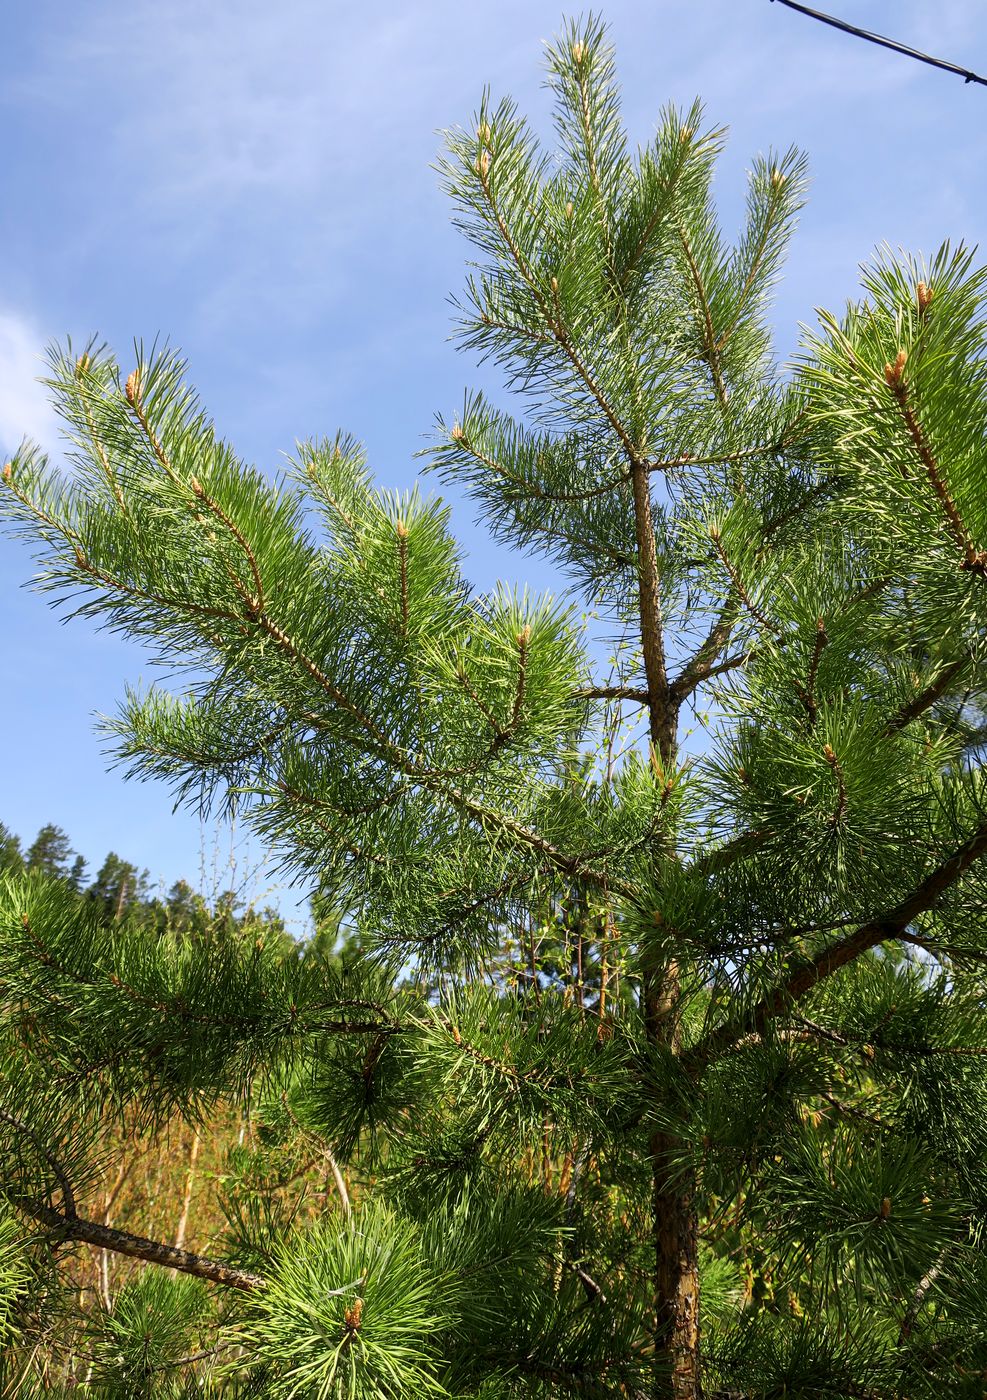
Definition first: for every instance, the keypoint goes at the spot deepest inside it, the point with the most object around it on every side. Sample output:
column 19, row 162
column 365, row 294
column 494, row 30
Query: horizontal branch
column 74, row 1227
column 725, row 459
column 530, row 488
column 721, row 857
column 613, row 692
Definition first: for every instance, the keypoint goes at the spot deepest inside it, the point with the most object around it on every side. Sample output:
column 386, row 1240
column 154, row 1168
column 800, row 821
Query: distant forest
column 122, row 891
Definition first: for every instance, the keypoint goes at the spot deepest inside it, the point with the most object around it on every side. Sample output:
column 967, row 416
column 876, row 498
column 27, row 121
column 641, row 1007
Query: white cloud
column 24, row 407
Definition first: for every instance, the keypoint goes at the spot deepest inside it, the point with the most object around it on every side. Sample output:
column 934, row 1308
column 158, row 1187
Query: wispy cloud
column 24, row 408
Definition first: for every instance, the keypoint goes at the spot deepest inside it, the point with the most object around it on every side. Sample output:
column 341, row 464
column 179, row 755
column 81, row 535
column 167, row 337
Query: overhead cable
column 847, row 28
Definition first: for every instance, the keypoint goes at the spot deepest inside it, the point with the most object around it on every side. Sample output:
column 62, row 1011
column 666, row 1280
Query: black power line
column 842, row 24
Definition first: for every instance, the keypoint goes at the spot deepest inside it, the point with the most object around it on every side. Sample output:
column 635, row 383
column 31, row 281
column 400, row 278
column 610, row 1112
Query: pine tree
column 77, row 872
column 662, row 1071
column 118, row 885
column 50, row 852
column 11, row 855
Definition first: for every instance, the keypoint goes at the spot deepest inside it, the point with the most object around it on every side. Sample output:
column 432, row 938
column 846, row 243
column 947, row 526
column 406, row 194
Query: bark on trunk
column 674, row 1223
column 676, row 1277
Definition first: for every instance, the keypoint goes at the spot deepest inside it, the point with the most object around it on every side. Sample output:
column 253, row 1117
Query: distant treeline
column 122, row 891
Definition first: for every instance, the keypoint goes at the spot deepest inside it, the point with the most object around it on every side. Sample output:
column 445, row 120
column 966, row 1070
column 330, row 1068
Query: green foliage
column 351, row 1311
column 154, row 1321
column 15, row 1274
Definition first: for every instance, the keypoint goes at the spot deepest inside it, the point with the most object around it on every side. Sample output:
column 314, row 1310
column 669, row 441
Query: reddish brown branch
column 257, row 601
column 552, row 319
column 738, row 583
column 133, row 395
column 926, row 697
column 973, row 559
column 523, row 645
column 401, row 530
column 889, row 925
column 613, row 692
column 137, row 1247
column 807, row 693
column 711, row 352
column 700, row 665
column 532, row 488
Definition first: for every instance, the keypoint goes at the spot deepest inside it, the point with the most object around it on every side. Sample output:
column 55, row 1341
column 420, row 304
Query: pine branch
column 82, row 366
column 701, row 664
column 613, row 692
column 532, row 489
column 849, row 1110
column 401, row 530
column 926, row 697
column 974, row 560
column 724, row 459
column 662, row 707
column 841, row 792
column 757, row 260
column 917, row 1301
column 886, row 927
column 740, row 589
column 255, row 601
column 74, row 1227
column 807, row 692
column 711, row 352
column 132, row 393
column 551, row 314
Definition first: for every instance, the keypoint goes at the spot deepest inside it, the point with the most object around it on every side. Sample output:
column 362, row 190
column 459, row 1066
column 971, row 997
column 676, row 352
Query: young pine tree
column 663, row 1070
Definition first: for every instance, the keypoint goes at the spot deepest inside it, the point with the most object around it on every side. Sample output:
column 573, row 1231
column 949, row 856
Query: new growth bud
column 82, row 365
column 401, row 530
column 578, row 51
column 353, row 1314
column 8, row 471
column 829, row 752
column 196, row 485
column 555, row 285
column 132, row 389
column 483, row 163
column 777, row 178
column 885, row 1207
column 893, row 373
column 686, row 135
column 524, row 636
column 484, row 133
column 456, row 433
column 924, row 295
column 569, row 210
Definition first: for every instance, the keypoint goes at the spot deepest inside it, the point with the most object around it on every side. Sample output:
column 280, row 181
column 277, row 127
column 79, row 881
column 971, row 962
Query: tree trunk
column 674, row 1221
column 674, row 1225
column 676, row 1236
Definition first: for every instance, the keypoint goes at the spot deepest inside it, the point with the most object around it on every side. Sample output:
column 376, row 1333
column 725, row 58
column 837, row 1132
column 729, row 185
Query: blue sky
column 253, row 182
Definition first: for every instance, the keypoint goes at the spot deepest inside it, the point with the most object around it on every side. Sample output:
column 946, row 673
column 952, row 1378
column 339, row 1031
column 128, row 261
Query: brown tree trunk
column 676, row 1235
column 674, row 1224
